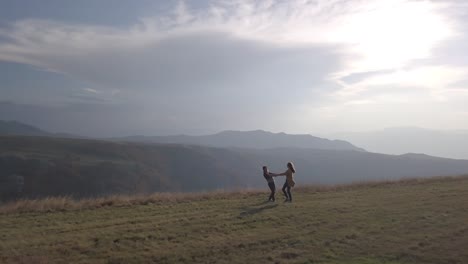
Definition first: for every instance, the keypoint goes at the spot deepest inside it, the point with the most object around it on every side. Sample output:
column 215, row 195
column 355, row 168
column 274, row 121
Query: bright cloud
column 94, row 91
column 431, row 78
column 229, row 54
column 380, row 34
column 389, row 34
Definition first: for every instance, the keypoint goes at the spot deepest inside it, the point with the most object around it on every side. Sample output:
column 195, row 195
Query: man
column 271, row 183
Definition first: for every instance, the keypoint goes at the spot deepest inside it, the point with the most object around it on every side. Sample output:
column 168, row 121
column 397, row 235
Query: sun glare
column 388, row 34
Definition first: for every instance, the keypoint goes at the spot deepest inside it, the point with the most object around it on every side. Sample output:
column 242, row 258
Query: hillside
column 18, row 128
column 337, row 167
column 403, row 222
column 258, row 139
column 46, row 166
column 15, row 128
column 86, row 168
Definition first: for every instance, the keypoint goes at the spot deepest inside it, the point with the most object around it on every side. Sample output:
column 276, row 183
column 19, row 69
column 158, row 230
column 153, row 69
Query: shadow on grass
column 255, row 210
column 261, row 203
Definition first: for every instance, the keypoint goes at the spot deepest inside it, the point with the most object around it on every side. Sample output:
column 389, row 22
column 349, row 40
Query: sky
column 117, row 68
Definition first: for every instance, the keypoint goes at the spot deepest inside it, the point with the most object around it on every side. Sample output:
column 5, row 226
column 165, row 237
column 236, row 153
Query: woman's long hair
column 291, row 167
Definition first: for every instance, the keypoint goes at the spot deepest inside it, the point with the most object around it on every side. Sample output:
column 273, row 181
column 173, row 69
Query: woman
column 289, row 183
column 271, row 183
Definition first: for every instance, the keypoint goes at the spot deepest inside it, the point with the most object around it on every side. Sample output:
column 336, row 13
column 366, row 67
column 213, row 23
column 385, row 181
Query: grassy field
column 420, row 221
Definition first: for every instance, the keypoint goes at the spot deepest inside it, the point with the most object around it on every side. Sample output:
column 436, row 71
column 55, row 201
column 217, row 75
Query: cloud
column 430, row 78
column 250, row 64
column 91, row 90
column 149, row 58
column 360, row 76
column 368, row 27
column 200, row 73
column 89, row 118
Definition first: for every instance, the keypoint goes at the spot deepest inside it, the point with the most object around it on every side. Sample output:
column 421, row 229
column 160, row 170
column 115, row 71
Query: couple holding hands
column 288, row 184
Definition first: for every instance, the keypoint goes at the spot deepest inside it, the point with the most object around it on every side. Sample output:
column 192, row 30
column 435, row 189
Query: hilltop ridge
column 258, row 139
column 12, row 127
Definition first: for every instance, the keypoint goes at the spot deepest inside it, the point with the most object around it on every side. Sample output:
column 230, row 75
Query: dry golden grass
column 52, row 204
column 409, row 221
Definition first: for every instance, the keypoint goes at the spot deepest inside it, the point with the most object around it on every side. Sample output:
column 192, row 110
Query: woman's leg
column 289, row 193
column 284, row 190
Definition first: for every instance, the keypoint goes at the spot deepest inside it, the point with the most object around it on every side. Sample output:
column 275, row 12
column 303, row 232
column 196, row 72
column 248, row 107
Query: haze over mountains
column 13, row 127
column 440, row 143
column 396, row 141
column 18, row 128
column 237, row 139
column 252, row 139
column 83, row 167
column 50, row 165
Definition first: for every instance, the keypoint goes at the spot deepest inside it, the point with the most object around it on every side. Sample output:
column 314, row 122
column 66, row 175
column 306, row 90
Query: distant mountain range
column 241, row 139
column 48, row 166
column 18, row 128
column 44, row 164
column 257, row 139
column 441, row 143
